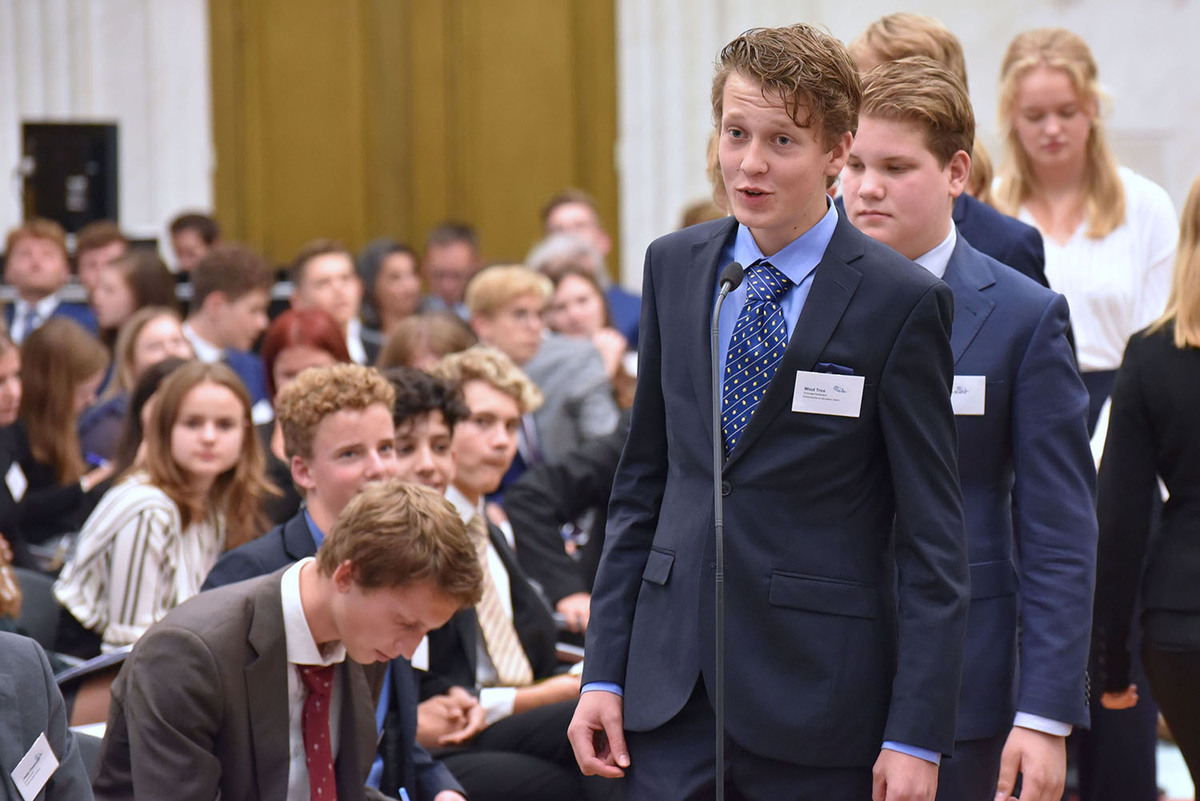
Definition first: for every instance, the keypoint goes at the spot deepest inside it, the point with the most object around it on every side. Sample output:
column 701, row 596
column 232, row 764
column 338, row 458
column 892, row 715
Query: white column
column 143, row 64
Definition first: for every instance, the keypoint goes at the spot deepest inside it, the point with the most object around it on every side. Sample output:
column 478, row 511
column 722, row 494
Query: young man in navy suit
column 1025, row 464
column 846, row 567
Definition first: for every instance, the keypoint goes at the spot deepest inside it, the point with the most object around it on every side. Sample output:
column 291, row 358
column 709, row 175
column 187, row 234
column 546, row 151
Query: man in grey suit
column 506, row 303
column 212, row 701
column 30, row 707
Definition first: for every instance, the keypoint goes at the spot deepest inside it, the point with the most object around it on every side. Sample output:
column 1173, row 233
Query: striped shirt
column 134, row 561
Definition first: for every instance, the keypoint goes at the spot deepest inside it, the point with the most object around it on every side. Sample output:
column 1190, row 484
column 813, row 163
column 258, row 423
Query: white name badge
column 35, row 768
column 16, row 481
column 828, row 393
column 967, row 394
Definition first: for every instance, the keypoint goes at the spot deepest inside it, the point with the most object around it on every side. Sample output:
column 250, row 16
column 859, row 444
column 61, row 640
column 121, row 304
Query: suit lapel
column 266, row 685
column 968, row 276
column 834, row 284
column 297, row 538
column 353, row 729
column 701, row 287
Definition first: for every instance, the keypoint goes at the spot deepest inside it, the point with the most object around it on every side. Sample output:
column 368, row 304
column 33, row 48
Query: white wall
column 666, row 50
column 141, row 63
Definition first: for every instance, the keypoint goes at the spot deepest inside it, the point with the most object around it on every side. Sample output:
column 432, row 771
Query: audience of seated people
column 391, row 284
column 156, row 534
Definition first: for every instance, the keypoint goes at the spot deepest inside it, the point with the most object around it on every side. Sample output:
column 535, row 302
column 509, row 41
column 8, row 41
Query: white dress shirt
column 302, row 649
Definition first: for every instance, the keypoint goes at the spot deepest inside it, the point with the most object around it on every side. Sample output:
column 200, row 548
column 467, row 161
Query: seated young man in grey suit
column 221, row 697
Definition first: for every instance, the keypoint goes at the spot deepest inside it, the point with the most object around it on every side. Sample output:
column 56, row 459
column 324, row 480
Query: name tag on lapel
column 967, row 394
column 828, row 393
column 35, row 768
column 16, row 481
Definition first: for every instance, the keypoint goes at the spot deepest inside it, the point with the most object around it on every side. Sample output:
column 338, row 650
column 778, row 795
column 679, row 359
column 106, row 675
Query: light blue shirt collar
column 938, row 259
column 313, row 529
column 799, row 257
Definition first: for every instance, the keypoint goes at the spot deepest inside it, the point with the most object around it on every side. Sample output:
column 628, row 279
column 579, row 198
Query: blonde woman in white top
column 154, row 536
column 1109, row 233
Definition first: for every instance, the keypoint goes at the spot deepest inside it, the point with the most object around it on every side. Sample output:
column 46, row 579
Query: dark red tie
column 318, row 753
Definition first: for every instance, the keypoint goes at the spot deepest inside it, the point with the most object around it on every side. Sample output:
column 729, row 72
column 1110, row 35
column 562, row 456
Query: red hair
column 311, row 327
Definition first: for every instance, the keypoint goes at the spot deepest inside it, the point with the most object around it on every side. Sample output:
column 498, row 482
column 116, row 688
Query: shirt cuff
column 606, row 686
column 1045, row 725
column 497, row 702
column 914, row 751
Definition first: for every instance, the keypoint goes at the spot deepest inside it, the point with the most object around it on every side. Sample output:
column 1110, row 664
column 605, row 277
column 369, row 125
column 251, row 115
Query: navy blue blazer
column 624, row 309
column 406, row 763
column 79, row 312
column 1006, row 239
column 1028, row 482
column 822, row 666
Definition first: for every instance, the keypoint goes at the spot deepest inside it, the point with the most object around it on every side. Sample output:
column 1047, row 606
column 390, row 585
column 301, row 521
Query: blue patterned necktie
column 755, row 349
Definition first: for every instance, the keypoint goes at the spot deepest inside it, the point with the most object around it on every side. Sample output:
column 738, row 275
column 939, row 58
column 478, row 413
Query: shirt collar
column 937, row 259
column 354, row 343
column 466, row 510
column 313, row 529
column 44, row 307
column 799, row 257
column 205, row 351
column 301, row 647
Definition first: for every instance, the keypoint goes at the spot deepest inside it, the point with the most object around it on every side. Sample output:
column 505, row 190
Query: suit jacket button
column 726, row 488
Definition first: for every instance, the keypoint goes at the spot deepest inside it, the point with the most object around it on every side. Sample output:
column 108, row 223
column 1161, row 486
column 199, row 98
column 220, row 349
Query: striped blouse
column 134, row 561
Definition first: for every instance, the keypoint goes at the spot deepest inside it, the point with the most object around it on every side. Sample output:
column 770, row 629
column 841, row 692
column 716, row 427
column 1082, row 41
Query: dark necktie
column 755, row 349
column 318, row 753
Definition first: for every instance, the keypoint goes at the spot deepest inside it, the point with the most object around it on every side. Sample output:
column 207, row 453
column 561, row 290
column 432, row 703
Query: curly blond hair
column 319, row 392
column 483, row 363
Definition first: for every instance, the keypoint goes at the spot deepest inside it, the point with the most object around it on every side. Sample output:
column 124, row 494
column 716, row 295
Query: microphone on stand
column 731, row 279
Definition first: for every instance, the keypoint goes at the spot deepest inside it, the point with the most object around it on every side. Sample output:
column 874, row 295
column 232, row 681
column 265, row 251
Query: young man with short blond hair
column 1024, row 456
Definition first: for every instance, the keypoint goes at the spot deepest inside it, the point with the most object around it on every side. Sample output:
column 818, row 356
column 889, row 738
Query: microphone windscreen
column 732, row 275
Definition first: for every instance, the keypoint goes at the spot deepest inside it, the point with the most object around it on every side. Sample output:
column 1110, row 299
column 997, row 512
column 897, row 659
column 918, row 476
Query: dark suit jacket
column 1006, row 239
column 200, row 708
column 406, row 763
column 821, row 668
column 550, row 495
column 31, row 704
column 1153, row 432
column 452, row 648
column 1028, row 483
column 624, row 309
column 279, row 547
column 79, row 312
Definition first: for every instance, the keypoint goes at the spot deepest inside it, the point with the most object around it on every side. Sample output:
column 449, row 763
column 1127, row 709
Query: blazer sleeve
column 549, row 495
column 921, row 441
column 1027, row 253
column 597, row 407
column 1127, row 484
column 1054, row 523
column 634, row 507
column 172, row 721
column 240, row 564
column 70, row 782
column 140, row 580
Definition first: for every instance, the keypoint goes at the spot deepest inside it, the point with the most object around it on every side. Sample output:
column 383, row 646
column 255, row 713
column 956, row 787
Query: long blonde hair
column 1058, row 48
column 1183, row 306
